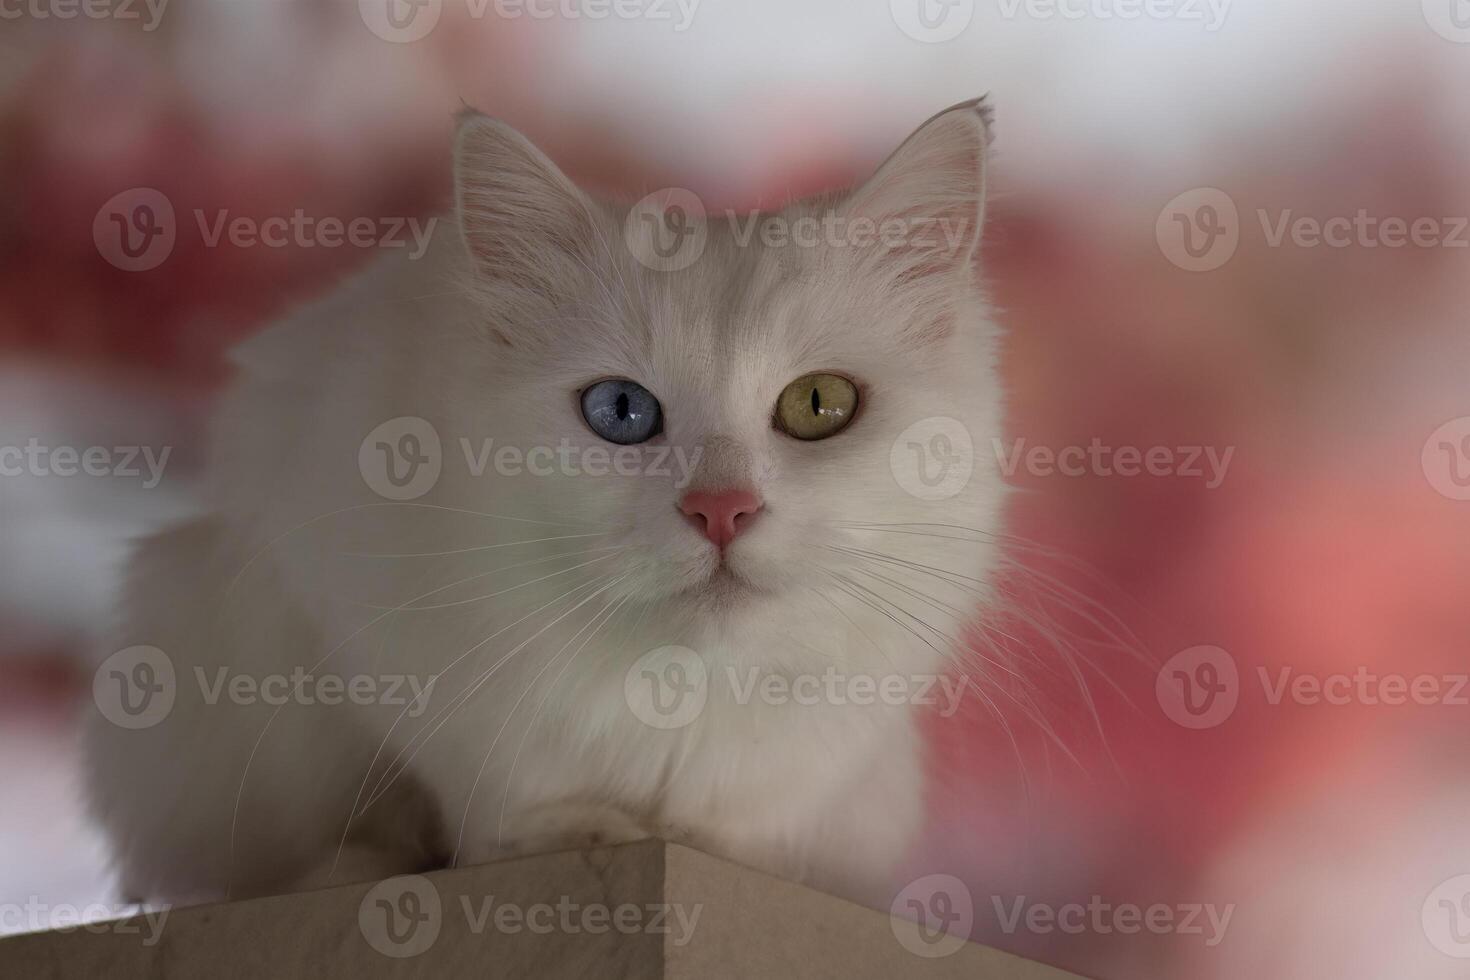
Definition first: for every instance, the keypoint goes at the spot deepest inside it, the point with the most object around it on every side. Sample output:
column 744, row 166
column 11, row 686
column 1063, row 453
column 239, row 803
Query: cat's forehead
column 741, row 302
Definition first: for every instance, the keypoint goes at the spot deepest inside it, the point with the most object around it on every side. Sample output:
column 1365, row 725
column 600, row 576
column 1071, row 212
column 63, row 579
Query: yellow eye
column 816, row 406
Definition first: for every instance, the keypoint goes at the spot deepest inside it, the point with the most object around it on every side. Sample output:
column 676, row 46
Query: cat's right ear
column 524, row 222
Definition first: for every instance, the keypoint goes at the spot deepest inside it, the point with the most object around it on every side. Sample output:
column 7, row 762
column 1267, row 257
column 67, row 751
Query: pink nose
column 720, row 511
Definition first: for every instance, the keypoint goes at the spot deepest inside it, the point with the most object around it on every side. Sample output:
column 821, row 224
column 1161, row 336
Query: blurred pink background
column 1335, row 542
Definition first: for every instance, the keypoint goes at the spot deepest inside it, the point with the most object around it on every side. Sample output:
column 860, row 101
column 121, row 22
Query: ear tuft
column 986, row 112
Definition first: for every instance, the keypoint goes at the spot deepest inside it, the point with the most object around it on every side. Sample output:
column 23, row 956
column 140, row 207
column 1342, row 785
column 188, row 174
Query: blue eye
column 622, row 411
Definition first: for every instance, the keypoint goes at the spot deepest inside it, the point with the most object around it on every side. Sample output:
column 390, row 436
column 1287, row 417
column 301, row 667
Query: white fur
column 495, row 340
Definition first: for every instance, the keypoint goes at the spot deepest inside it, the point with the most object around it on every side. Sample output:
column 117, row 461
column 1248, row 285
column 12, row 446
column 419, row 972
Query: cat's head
column 812, row 388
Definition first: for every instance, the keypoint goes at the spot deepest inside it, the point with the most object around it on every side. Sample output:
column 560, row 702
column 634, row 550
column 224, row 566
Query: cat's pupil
column 816, row 402
column 623, row 407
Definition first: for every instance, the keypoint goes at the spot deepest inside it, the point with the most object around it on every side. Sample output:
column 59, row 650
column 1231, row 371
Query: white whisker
column 355, row 812
column 464, row 697
column 595, row 626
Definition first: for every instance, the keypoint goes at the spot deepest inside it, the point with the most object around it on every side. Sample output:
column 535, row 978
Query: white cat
column 758, row 460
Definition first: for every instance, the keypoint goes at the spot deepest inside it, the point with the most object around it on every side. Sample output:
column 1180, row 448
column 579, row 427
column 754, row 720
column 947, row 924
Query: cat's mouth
column 724, row 586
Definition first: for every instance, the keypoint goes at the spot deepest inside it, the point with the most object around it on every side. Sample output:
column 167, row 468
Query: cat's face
column 792, row 418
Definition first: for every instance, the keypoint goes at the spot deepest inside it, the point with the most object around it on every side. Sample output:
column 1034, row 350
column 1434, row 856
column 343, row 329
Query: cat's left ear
column 526, row 225
column 927, row 200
